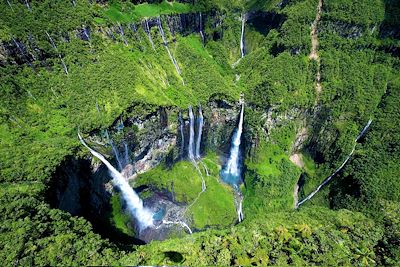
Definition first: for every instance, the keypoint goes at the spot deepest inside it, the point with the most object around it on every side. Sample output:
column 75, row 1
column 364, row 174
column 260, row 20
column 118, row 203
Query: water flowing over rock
column 165, row 42
column 365, row 129
column 181, row 129
column 53, row 44
column 200, row 121
column 191, row 135
column 147, row 30
column 242, row 45
column 231, row 173
column 201, row 28
column 133, row 202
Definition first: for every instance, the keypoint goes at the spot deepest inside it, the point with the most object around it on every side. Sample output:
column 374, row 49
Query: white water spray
column 126, row 153
column 242, row 45
column 200, row 120
column 232, row 167
column 365, row 129
column 191, row 135
column 133, row 202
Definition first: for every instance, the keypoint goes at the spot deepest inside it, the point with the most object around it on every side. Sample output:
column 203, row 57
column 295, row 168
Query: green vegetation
column 352, row 221
column 129, row 12
column 184, row 180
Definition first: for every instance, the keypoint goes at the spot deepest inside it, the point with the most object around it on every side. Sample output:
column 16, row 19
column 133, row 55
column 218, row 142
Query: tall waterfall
column 178, row 70
column 201, row 28
column 133, row 203
column 181, row 125
column 231, row 172
column 191, row 134
column 242, row 45
column 200, row 120
column 364, row 130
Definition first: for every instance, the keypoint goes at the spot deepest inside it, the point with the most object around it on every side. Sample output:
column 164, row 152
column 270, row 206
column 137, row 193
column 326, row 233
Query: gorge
column 210, row 133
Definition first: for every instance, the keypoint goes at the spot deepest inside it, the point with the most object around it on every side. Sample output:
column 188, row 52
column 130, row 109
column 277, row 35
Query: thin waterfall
column 181, row 126
column 21, row 51
column 121, row 31
column 191, row 134
column 199, row 133
column 9, row 4
column 86, row 33
column 242, row 45
column 365, row 129
column 239, row 209
column 149, row 34
column 178, row 70
column 133, row 203
column 114, row 149
column 126, row 153
column 74, row 3
column 201, row 28
column 53, row 44
column 231, row 173
column 28, row 6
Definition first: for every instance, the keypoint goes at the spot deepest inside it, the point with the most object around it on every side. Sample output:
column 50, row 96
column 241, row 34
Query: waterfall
column 86, row 33
column 242, row 46
column 239, row 210
column 365, row 129
column 126, row 153
column 74, row 3
column 191, row 134
column 199, row 132
column 59, row 55
column 231, row 173
column 178, row 70
column 201, row 28
column 149, row 34
column 133, row 203
column 28, row 6
column 9, row 4
column 115, row 151
column 181, row 125
column 121, row 31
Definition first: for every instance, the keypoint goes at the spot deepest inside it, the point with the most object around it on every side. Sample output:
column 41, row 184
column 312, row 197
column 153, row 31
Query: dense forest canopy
column 294, row 82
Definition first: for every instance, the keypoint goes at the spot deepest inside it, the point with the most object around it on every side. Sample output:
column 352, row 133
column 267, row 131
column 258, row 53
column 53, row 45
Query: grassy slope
column 214, row 207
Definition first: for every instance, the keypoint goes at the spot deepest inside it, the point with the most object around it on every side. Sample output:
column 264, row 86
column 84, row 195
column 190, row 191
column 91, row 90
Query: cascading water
column 121, row 31
column 178, row 70
column 126, row 153
column 149, row 34
column 242, row 45
column 365, row 129
column 115, row 151
column 231, row 173
column 201, row 28
column 28, row 6
column 53, row 44
column 181, row 125
column 9, row 4
column 191, row 134
column 133, row 203
column 200, row 120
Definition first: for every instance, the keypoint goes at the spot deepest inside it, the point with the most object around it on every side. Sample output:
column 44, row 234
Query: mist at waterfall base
column 232, row 172
column 134, row 205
